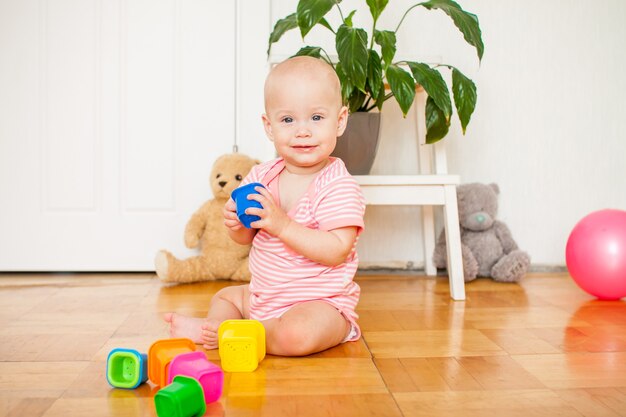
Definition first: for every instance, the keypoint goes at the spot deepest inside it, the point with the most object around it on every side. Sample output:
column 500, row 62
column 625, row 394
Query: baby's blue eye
column 317, row 117
column 287, row 120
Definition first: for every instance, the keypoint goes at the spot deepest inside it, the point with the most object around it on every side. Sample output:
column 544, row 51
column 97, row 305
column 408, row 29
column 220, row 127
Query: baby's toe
column 208, row 336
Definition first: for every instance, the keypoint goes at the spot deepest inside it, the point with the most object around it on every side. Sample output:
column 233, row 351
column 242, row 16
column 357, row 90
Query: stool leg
column 453, row 243
column 428, row 231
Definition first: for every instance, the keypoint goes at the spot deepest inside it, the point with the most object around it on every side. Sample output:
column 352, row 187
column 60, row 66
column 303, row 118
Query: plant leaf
column 325, row 23
column 346, row 86
column 374, row 73
column 402, row 86
column 348, row 20
column 387, row 41
column 351, row 45
column 381, row 96
column 356, row 100
column 436, row 126
column 314, row 51
column 435, row 86
column 464, row 91
column 466, row 22
column 377, row 7
column 310, row 12
column 282, row 26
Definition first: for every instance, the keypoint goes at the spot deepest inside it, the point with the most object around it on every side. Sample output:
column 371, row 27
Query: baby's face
column 303, row 118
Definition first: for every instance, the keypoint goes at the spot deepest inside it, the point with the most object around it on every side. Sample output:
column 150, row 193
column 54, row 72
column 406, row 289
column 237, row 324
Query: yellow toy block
column 241, row 345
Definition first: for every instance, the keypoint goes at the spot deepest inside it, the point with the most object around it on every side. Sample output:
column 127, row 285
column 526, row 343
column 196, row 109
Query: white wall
column 549, row 126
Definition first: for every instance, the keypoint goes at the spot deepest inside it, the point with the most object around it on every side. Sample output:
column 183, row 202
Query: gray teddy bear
column 486, row 243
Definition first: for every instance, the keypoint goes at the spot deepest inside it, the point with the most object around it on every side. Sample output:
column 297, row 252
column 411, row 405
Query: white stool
column 432, row 187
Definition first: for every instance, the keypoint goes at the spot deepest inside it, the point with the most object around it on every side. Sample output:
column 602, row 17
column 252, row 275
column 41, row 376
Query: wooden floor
column 542, row 348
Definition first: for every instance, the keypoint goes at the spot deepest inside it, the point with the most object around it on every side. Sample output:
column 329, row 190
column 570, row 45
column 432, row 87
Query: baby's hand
column 230, row 216
column 273, row 218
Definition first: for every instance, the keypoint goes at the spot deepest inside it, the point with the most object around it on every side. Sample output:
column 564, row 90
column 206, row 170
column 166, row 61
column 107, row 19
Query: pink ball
column 596, row 254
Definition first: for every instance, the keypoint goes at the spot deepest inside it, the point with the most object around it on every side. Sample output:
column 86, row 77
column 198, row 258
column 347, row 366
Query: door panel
column 111, row 115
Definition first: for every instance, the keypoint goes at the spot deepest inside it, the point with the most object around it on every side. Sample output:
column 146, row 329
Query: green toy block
column 184, row 397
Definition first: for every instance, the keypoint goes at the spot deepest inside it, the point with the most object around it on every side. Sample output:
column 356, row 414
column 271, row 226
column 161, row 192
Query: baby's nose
column 303, row 131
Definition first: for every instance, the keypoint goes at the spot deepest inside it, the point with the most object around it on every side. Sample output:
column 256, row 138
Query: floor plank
column 538, row 402
column 577, row 370
column 430, row 343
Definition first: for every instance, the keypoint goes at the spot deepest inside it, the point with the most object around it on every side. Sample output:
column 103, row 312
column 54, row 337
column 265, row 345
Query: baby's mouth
column 303, row 147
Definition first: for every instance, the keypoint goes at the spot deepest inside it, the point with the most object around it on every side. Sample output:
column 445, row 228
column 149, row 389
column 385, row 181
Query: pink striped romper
column 282, row 278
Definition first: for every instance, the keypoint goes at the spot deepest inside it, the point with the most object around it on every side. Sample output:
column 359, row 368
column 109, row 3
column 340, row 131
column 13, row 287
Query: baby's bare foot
column 209, row 334
column 183, row 326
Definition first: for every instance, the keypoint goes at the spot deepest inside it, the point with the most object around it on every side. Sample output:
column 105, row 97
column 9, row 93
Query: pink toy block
column 196, row 365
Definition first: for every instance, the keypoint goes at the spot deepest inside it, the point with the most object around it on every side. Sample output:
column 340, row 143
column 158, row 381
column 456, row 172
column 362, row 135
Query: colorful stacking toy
column 197, row 366
column 126, row 368
column 241, row 345
column 182, row 398
column 160, row 356
column 188, row 379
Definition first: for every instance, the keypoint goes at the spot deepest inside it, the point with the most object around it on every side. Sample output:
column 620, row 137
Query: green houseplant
column 365, row 66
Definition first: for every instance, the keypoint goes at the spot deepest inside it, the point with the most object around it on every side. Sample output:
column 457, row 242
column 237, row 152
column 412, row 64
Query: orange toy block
column 161, row 354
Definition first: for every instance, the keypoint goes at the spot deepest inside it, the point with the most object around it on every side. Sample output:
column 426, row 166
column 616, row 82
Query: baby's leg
column 306, row 328
column 226, row 304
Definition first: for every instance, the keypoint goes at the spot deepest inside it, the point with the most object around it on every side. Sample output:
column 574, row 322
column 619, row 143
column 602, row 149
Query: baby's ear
column 267, row 126
column 343, row 120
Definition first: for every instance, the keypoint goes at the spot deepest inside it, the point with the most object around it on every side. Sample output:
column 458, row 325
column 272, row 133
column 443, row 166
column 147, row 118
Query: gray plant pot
column 358, row 144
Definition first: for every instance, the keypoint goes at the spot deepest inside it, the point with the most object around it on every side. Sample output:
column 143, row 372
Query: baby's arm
column 237, row 232
column 326, row 247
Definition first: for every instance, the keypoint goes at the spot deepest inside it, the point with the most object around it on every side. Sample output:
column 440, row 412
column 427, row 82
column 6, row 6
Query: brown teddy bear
column 220, row 257
column 487, row 246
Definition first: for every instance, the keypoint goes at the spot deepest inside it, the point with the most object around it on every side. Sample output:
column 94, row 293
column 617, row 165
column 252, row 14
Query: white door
column 111, row 114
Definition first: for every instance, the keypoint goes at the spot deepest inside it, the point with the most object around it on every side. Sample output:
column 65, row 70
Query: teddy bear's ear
column 495, row 187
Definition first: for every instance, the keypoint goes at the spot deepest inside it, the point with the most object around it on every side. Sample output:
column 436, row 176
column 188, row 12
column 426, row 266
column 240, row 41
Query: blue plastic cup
column 126, row 368
column 240, row 197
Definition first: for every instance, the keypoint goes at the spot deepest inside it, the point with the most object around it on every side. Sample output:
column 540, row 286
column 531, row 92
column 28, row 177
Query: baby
column 303, row 257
